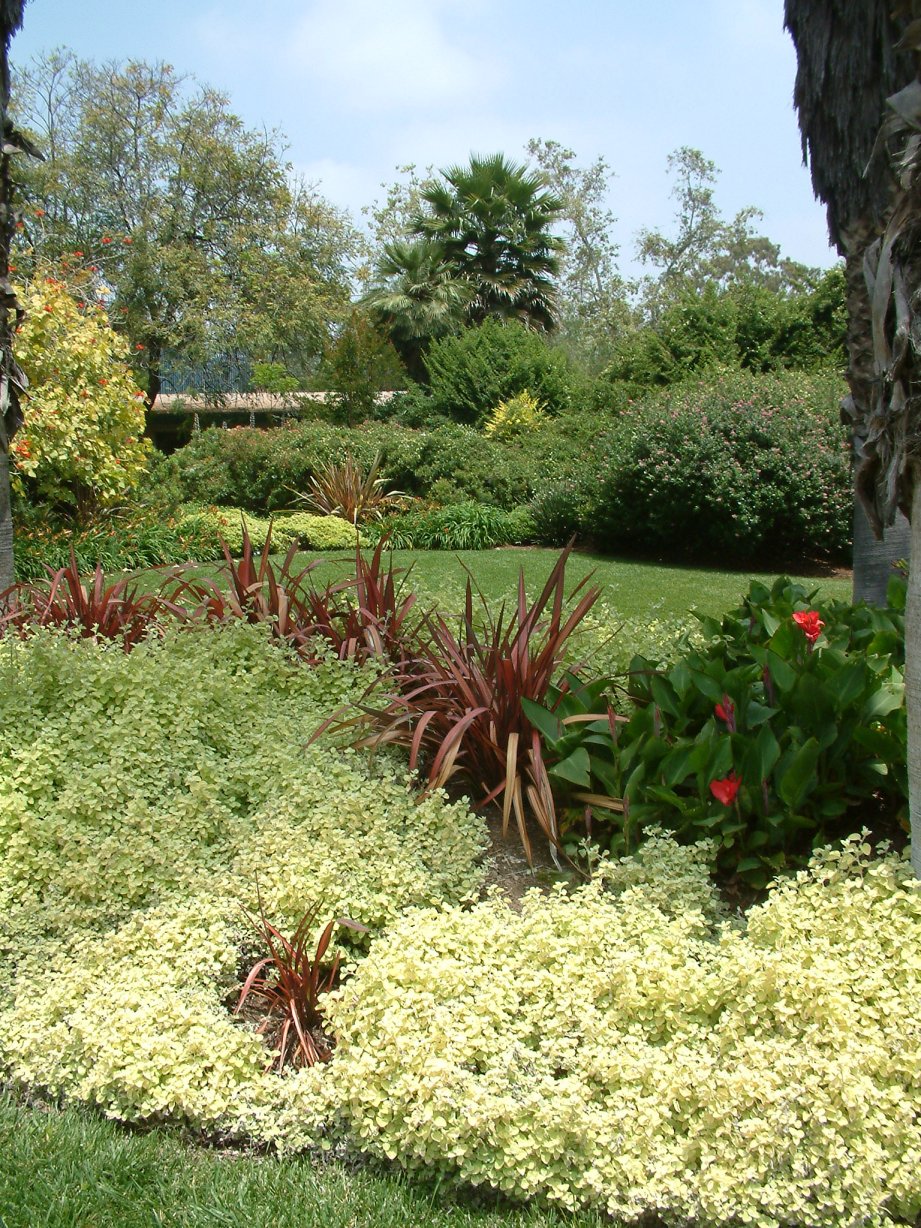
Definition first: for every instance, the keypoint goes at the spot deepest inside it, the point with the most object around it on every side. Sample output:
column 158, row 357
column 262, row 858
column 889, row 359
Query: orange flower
column 725, row 790
column 106, row 239
column 810, row 623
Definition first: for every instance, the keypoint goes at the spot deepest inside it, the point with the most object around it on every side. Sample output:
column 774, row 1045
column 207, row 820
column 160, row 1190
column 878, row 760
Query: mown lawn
column 631, row 589
column 71, row 1169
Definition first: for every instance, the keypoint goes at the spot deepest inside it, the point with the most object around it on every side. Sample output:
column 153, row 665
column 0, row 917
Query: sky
column 360, row 87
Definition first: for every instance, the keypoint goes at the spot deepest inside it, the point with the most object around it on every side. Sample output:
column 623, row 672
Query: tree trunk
column 7, row 576
column 913, row 677
column 874, row 559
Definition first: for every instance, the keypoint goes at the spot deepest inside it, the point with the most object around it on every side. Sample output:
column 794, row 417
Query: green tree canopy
column 189, row 216
column 492, row 221
column 706, row 249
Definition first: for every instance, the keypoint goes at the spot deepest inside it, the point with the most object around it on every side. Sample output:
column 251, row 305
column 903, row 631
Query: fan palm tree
column 491, row 220
column 416, row 297
column 847, row 65
column 11, row 379
column 858, row 96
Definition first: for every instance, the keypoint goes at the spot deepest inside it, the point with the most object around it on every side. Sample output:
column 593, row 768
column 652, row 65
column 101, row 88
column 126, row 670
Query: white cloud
column 386, row 57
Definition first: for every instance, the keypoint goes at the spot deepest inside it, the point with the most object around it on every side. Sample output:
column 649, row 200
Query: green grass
column 633, row 590
column 71, row 1169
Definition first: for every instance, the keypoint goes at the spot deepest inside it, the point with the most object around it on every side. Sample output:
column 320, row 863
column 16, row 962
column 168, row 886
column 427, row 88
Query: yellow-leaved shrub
column 82, row 442
column 624, row 1050
column 130, row 779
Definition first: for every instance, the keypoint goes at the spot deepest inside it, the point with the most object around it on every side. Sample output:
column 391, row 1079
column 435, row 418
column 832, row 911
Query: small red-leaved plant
column 288, row 983
column 99, row 611
column 456, row 701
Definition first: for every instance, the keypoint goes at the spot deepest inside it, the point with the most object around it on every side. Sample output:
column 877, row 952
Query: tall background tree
column 192, row 219
column 858, row 97
column 10, row 375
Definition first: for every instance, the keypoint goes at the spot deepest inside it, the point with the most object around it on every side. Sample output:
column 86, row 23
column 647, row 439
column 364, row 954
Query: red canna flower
column 725, row 790
column 810, row 623
column 106, row 239
column 726, row 712
column 78, row 254
column 39, row 212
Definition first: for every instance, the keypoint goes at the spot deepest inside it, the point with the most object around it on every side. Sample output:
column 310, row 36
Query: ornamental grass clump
column 289, row 983
column 456, row 703
column 97, row 611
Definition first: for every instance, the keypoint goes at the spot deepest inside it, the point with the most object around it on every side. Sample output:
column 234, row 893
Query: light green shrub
column 207, row 527
column 130, row 779
column 314, row 532
column 623, row 1050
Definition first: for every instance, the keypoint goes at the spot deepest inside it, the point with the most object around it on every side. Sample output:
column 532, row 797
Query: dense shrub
column 204, row 529
column 457, row 464
column 737, row 468
column 459, row 526
column 621, row 1048
column 181, row 769
column 81, row 446
column 781, row 727
column 266, row 470
column 470, row 373
column 743, row 325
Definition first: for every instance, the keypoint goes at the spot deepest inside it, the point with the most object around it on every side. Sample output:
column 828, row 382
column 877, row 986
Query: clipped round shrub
column 620, row 1047
column 739, row 467
column 202, row 529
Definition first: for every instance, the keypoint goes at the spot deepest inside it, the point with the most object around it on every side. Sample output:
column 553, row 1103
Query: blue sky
column 361, row 86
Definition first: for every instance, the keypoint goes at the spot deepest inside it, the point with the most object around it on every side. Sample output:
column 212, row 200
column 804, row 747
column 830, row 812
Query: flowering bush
column 736, row 467
column 784, row 728
column 82, row 443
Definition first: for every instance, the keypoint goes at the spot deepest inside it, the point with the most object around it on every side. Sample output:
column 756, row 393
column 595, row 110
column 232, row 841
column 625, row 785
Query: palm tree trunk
column 7, row 575
column 875, row 558
column 913, row 677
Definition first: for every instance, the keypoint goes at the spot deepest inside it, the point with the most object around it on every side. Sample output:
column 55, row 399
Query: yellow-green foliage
column 605, row 642
column 129, row 779
column 82, row 439
column 519, row 415
column 623, row 1050
column 208, row 526
column 315, row 532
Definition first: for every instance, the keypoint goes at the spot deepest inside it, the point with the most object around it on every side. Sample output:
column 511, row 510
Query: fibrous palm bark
column 859, row 101
column 848, row 63
column 11, row 379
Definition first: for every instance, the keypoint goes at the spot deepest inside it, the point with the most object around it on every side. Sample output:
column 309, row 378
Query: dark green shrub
column 457, row 464
column 264, row 470
column 459, row 526
column 470, row 373
column 740, row 468
column 785, row 730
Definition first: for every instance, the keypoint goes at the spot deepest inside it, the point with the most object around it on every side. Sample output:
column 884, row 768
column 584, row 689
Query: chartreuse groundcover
column 627, row 1044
